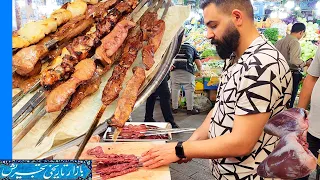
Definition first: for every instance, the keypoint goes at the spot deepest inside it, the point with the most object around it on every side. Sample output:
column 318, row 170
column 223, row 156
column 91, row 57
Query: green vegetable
column 208, row 53
column 272, row 35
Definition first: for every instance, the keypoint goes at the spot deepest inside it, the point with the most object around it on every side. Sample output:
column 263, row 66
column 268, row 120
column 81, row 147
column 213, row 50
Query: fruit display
column 308, row 50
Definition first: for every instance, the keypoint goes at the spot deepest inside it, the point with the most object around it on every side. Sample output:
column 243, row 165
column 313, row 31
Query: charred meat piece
column 24, row 83
column 36, row 70
column 17, row 80
column 25, row 60
column 148, row 56
column 130, row 95
column 154, row 42
column 60, row 95
column 99, row 9
column 114, row 84
column 157, row 34
column 84, row 90
column 112, row 42
column 80, row 48
column 147, row 23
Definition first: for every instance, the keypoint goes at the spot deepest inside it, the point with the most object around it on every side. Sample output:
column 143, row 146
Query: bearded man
column 256, row 84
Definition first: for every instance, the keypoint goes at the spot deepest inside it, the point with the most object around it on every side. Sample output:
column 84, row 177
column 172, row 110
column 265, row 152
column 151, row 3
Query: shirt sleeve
column 314, row 69
column 258, row 91
column 295, row 53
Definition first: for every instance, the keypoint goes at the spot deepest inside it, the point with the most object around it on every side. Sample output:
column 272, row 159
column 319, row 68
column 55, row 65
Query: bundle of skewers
column 67, row 65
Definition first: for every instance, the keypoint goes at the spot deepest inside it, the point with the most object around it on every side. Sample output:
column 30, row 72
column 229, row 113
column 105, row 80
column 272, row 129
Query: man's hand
column 160, row 156
column 308, row 63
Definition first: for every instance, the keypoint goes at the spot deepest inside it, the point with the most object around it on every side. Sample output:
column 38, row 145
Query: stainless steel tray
column 157, row 124
column 151, row 84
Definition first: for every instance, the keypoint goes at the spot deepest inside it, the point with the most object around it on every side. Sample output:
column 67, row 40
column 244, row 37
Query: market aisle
column 197, row 169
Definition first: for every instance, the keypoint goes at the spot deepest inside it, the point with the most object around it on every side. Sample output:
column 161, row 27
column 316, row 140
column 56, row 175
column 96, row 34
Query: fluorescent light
column 289, row 5
column 283, row 15
column 274, row 14
column 318, row 5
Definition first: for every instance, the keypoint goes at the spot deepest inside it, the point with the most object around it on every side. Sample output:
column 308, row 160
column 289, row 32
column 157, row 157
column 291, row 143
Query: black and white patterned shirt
column 260, row 81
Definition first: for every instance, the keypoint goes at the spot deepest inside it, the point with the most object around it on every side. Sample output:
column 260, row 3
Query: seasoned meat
column 147, row 56
column 25, row 60
column 129, row 97
column 60, row 95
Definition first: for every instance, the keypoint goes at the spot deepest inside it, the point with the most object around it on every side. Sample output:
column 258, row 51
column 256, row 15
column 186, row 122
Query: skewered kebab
column 33, row 32
column 78, row 24
column 42, row 112
column 114, row 84
column 53, row 105
column 100, row 29
column 25, row 59
column 81, row 46
column 84, row 90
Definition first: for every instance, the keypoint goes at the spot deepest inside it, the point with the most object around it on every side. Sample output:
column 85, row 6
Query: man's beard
column 229, row 42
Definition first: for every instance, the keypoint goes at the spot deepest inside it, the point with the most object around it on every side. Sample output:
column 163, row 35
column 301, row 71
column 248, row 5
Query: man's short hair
column 298, row 27
column 228, row 6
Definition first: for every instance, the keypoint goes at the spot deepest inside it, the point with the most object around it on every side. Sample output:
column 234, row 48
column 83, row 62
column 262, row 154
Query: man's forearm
column 202, row 132
column 305, row 95
column 219, row 147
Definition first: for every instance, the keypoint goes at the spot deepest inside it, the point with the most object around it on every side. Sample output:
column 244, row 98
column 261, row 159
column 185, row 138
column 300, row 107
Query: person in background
column 290, row 48
column 255, row 85
column 164, row 93
column 311, row 91
column 183, row 75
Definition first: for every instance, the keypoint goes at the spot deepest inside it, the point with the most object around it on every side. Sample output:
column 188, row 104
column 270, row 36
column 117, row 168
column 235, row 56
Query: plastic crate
column 211, row 83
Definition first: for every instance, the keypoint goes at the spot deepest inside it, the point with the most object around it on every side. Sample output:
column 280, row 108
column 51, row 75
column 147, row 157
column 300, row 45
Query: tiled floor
column 197, row 169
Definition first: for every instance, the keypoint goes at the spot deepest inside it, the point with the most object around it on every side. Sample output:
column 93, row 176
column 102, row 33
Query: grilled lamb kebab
column 53, row 105
column 84, row 90
column 25, row 59
column 81, row 46
column 78, row 25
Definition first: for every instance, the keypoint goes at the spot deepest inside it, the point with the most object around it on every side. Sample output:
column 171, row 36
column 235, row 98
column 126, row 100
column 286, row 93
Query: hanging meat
column 291, row 159
column 292, row 120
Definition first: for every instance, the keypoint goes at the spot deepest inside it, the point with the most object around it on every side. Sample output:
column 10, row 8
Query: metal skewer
column 103, row 107
column 63, row 113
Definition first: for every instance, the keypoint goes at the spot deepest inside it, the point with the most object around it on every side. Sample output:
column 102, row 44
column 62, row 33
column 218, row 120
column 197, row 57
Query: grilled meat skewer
column 25, row 59
column 129, row 97
column 59, row 96
column 81, row 46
